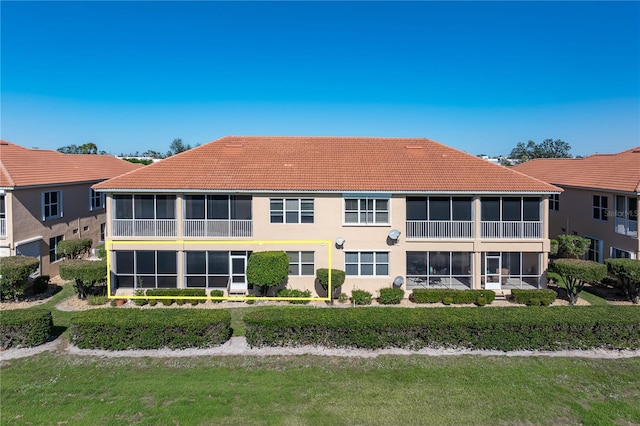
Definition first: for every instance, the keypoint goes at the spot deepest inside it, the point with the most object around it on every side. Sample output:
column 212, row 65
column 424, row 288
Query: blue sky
column 478, row 76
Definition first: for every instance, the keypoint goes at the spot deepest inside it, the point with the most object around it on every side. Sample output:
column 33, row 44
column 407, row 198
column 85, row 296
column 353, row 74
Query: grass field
column 60, row 389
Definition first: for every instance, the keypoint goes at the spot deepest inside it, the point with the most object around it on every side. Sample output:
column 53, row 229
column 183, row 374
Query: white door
column 493, row 278
column 239, row 272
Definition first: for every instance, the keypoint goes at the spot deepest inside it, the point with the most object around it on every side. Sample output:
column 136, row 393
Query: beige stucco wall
column 575, row 216
column 26, row 219
column 328, row 225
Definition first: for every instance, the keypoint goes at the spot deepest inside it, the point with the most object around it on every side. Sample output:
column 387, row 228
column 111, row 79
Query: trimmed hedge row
column 541, row 297
column 435, row 295
column 506, row 329
column 182, row 293
column 149, row 329
column 25, row 328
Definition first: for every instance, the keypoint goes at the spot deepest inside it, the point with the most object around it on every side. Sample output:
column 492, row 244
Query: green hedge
column 25, row 328
column 543, row 297
column 435, row 295
column 121, row 329
column 181, row 294
column 285, row 292
column 507, row 329
column 391, row 296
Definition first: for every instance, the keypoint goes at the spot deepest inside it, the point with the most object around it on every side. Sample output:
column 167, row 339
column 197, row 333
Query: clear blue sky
column 478, row 76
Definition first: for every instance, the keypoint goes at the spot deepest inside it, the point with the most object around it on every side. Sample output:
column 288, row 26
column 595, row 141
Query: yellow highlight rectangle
column 328, row 243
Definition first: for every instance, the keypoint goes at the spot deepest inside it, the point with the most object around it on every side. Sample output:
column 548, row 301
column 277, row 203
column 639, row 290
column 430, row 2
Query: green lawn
column 589, row 297
column 299, row 390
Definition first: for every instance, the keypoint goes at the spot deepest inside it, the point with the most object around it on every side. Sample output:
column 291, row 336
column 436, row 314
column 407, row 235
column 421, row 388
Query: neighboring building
column 599, row 202
column 46, row 197
column 193, row 219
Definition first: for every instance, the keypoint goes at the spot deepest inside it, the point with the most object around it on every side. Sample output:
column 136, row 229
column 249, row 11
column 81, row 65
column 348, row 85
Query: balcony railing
column 144, row 227
column 3, row 227
column 439, row 229
column 508, row 230
column 626, row 227
column 232, row 228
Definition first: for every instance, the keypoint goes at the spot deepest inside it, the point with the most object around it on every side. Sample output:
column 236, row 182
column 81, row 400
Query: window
column 366, row 211
column 146, row 269
column 627, row 216
column 53, row 249
column 301, row 263
column 96, row 200
column 291, row 210
column 510, row 209
column 439, row 208
column 600, row 203
column 554, row 202
column 439, row 269
column 3, row 217
column 595, row 250
column 367, row 263
column 617, row 253
column 218, row 207
column 102, row 231
column 144, row 206
column 51, row 205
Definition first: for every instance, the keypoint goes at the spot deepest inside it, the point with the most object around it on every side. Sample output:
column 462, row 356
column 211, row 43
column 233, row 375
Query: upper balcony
column 511, row 230
column 455, row 229
column 144, row 228
column 218, row 228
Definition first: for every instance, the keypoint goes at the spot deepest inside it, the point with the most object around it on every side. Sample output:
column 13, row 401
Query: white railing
column 439, row 229
column 233, row 228
column 626, row 227
column 497, row 229
column 144, row 227
column 3, row 227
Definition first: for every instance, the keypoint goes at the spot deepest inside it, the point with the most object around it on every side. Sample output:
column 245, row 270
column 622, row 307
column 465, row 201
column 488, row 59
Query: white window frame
column 298, row 210
column 359, row 211
column 613, row 250
column 554, row 202
column 598, row 251
column 375, row 263
column 299, row 263
column 54, row 250
column 50, row 204
column 96, row 200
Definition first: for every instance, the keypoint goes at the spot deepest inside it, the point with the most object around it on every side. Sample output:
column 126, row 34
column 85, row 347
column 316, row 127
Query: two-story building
column 599, row 202
column 379, row 208
column 46, row 197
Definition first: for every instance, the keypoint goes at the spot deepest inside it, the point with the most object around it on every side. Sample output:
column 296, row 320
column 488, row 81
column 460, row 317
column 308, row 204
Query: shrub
column 391, row 295
column 337, row 279
column 505, row 329
column 627, row 274
column 267, row 269
column 140, row 293
column 576, row 273
column 435, row 295
column 95, row 300
column 343, row 297
column 149, row 328
column 178, row 295
column 41, row 284
column 85, row 273
column 15, row 272
column 75, row 248
column 447, row 300
column 286, row 293
column 216, row 293
column 25, row 328
column 101, row 251
column 361, row 297
column 541, row 297
column 572, row 246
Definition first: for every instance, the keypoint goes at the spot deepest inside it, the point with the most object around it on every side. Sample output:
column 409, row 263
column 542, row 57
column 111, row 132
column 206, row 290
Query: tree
column 337, row 279
column 74, row 249
column 548, row 148
column 572, row 246
column 576, row 273
column 85, row 273
column 267, row 269
column 627, row 273
column 87, row 148
column 177, row 146
column 15, row 273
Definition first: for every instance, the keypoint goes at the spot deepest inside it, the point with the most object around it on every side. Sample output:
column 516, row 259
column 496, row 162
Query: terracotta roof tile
column 616, row 172
column 325, row 164
column 28, row 167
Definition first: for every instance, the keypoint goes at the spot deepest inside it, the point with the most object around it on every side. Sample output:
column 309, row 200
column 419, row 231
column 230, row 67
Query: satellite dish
column 339, row 241
column 394, row 234
column 398, row 281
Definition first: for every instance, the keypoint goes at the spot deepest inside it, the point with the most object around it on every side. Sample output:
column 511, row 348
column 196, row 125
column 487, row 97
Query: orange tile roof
column 325, row 164
column 616, row 172
column 20, row 166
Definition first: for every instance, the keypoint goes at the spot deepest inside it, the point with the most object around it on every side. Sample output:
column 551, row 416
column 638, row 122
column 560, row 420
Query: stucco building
column 379, row 208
